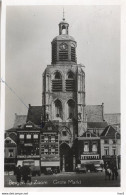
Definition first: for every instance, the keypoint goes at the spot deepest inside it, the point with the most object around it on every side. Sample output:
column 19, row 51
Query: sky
column 29, row 32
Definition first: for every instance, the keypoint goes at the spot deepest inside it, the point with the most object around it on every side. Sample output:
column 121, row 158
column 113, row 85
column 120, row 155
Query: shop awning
column 50, row 164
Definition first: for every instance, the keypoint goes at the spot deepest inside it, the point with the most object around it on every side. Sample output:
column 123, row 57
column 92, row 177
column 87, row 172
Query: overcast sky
column 29, row 32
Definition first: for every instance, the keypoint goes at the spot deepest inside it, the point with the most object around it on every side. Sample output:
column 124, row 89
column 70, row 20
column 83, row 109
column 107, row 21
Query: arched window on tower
column 58, row 109
column 63, row 29
column 70, row 82
column 71, row 109
column 58, row 75
column 57, row 82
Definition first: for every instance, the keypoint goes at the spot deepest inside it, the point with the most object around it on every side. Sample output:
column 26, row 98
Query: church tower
column 63, row 97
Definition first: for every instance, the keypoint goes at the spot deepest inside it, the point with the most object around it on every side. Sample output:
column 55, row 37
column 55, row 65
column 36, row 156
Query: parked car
column 56, row 170
column 98, row 167
column 81, row 168
column 48, row 171
column 94, row 167
column 35, row 170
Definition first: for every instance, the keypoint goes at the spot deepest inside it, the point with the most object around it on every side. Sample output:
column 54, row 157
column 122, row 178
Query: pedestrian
column 107, row 171
column 18, row 174
column 114, row 172
column 26, row 174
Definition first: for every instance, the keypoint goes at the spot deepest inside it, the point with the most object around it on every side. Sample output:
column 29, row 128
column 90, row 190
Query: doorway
column 66, row 153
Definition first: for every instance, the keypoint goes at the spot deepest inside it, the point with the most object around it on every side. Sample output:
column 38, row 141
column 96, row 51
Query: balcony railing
column 89, row 156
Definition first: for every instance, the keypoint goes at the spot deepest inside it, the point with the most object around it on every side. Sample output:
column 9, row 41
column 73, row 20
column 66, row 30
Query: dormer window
column 88, row 135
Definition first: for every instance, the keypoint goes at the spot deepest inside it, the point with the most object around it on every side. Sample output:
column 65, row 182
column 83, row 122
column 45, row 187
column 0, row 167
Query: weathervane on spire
column 63, row 14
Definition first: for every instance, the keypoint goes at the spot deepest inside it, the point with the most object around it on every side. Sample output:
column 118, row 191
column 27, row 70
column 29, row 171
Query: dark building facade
column 28, row 143
column 49, row 147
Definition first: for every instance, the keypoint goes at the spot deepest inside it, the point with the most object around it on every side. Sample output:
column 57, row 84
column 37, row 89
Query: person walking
column 107, row 171
column 114, row 172
column 26, row 174
column 18, row 174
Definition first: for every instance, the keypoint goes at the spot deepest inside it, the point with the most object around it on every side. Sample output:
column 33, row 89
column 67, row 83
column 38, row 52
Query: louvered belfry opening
column 57, row 82
column 63, row 55
column 70, row 83
column 73, row 54
column 54, row 52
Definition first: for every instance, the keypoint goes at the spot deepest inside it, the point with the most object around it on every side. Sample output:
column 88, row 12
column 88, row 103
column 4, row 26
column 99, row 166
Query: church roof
column 12, row 142
column 96, row 125
column 94, row 113
column 13, row 136
column 19, row 120
column 92, row 136
column 110, row 132
column 112, row 118
column 34, row 114
column 63, row 37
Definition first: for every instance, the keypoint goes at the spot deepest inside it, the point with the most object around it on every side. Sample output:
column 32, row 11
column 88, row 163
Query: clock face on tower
column 63, row 46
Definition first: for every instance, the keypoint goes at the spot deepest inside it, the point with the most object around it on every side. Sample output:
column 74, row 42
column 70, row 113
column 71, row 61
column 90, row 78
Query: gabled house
column 10, row 152
column 89, row 148
column 110, row 146
column 28, row 136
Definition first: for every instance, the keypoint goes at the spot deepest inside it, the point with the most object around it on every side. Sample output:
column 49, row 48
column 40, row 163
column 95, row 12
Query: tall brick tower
column 63, row 96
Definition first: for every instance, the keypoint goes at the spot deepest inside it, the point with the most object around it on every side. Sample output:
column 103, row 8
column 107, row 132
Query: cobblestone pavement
column 66, row 180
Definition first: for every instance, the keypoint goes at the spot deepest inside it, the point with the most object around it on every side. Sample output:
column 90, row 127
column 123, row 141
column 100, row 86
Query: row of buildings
column 64, row 131
column 50, row 146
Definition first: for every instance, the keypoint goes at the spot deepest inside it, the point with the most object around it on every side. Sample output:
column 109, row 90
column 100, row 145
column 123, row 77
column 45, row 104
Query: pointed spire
column 63, row 15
